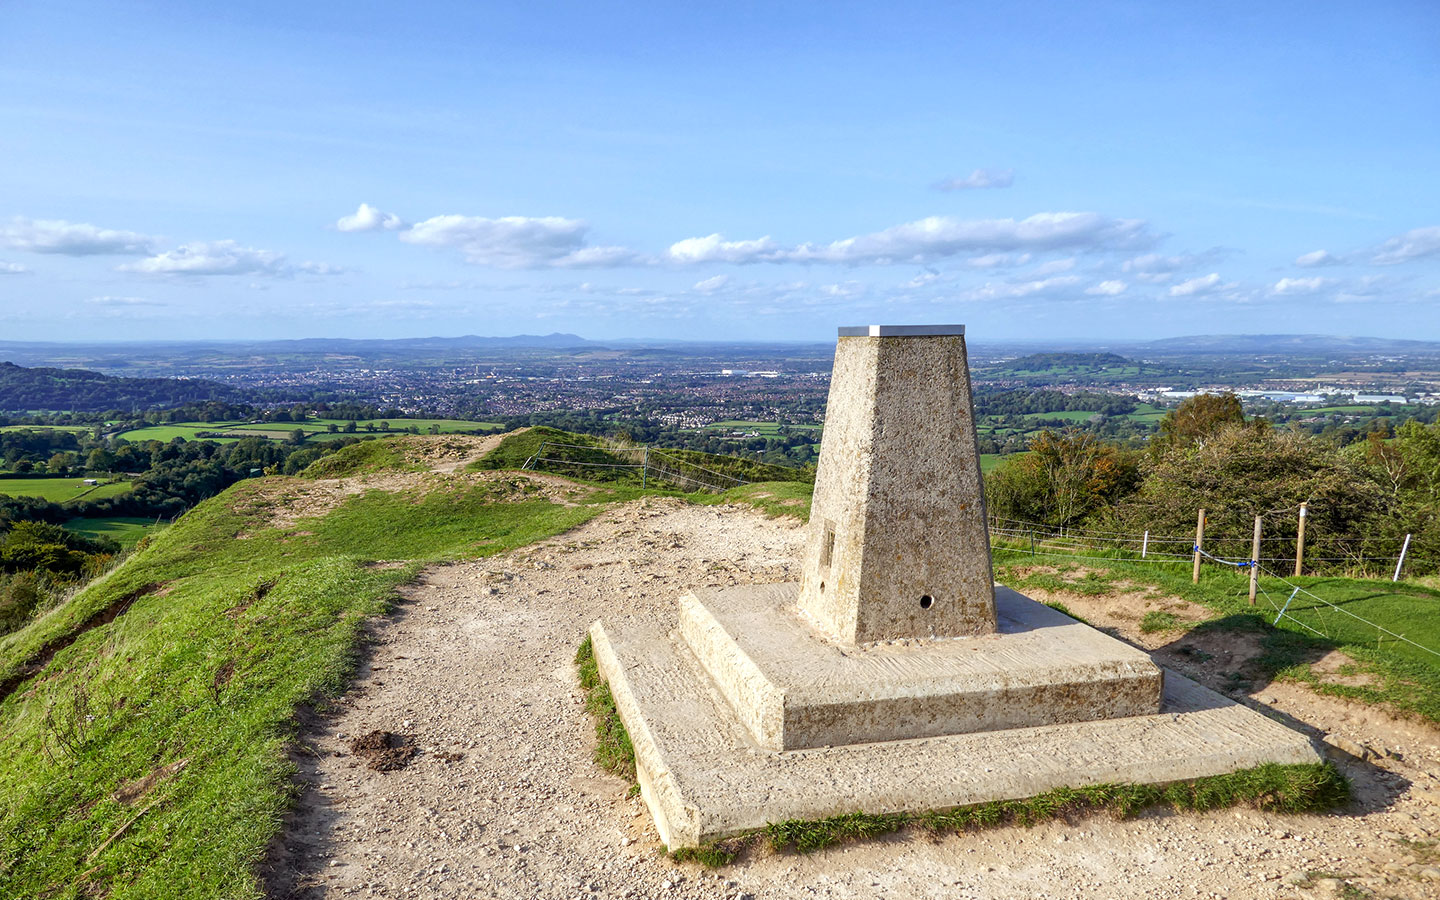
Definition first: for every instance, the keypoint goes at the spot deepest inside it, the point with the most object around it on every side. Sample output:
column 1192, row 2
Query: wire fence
column 1358, row 555
column 611, row 460
column 1297, row 604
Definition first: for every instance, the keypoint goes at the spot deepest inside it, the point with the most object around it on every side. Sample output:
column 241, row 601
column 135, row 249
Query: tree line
column 1362, row 498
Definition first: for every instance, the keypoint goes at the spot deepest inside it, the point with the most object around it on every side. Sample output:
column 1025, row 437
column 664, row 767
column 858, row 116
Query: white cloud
column 1417, row 243
column 1107, row 289
column 933, row 238
column 9, row 268
column 923, row 279
column 978, row 180
column 711, row 285
column 997, row 260
column 72, row 238
column 1300, row 286
column 1158, row 268
column 213, row 258
column 517, row 242
column 1317, row 258
column 1017, row 290
column 1055, row 266
column 314, row 268
column 714, row 248
column 1197, row 287
column 368, row 218
column 598, row 258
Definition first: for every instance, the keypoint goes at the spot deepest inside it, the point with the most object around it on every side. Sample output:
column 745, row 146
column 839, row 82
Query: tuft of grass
column 1158, row 620
column 1271, row 787
column 774, row 498
column 711, row 856
column 1062, row 608
column 613, row 750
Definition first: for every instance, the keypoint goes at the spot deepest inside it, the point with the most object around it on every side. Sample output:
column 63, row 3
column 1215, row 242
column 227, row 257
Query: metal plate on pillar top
column 902, row 330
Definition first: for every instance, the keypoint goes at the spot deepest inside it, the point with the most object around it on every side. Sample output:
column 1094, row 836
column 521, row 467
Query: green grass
column 363, row 457
column 73, row 429
column 595, row 461
column 775, row 498
column 187, row 431
column 1271, row 788
column 127, row 530
column 224, row 626
column 613, row 750
column 62, row 490
column 1159, row 621
column 1405, row 677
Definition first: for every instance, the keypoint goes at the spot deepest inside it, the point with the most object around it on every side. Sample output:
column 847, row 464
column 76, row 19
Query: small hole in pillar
column 822, row 587
column 926, row 601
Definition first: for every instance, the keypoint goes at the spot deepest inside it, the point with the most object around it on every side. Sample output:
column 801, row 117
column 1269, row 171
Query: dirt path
column 503, row 800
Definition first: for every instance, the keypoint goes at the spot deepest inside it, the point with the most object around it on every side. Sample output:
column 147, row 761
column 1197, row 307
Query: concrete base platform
column 704, row 778
column 794, row 689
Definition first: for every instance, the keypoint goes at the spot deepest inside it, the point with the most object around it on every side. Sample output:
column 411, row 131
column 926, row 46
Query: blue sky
column 748, row 171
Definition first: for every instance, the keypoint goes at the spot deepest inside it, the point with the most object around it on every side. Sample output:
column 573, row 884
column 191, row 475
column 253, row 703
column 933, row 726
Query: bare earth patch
column 504, row 801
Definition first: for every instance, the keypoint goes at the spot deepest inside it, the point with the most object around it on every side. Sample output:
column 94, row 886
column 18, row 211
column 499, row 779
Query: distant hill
column 1039, row 362
column 1288, row 343
column 78, row 390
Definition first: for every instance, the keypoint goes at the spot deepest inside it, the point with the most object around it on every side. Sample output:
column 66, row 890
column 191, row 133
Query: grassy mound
column 146, row 721
column 361, row 458
column 587, row 458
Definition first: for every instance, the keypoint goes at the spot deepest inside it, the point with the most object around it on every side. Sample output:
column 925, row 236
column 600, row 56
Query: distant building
column 1378, row 398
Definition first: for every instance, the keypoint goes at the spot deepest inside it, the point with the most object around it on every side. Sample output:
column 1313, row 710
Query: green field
column 73, row 429
column 61, row 490
column 1147, row 412
column 127, row 530
column 764, row 429
column 315, row 428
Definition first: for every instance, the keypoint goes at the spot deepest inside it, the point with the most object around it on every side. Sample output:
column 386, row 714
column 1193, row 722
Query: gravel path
column 503, row 800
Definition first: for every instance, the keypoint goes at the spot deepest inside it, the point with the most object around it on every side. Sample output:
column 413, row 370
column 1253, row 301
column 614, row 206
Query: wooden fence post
column 1255, row 561
column 1199, row 542
column 1300, row 541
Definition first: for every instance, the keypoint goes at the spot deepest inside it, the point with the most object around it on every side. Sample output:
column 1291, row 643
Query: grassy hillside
column 592, row 459
column 146, row 721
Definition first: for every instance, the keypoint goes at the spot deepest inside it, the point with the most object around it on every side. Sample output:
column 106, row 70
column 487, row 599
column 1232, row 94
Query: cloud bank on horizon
column 510, row 181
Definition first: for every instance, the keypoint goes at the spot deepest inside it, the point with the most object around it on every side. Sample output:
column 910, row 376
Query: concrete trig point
column 895, row 676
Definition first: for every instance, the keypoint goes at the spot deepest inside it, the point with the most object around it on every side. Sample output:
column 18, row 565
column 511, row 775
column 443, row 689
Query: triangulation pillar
column 898, row 545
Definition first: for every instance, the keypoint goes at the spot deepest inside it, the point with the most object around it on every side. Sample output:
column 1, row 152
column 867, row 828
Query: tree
column 1241, row 472
column 1195, row 420
column 1065, row 478
column 297, row 437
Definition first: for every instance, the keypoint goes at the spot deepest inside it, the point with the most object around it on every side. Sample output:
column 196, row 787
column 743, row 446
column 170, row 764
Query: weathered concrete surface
column 794, row 690
column 898, row 545
column 703, row 778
